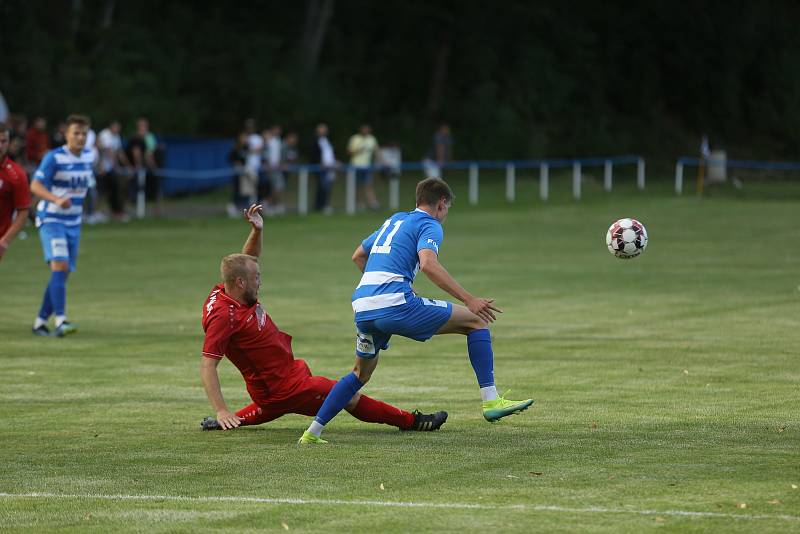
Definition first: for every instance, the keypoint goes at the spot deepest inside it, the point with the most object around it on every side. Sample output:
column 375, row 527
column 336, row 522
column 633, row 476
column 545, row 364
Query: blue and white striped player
column 61, row 182
column 385, row 304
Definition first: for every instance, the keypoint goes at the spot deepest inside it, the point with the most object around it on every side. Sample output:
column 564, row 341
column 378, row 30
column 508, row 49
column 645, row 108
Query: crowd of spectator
column 119, row 162
column 262, row 161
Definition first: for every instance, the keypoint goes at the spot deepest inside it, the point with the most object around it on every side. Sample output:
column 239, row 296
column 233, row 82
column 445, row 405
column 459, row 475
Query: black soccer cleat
column 41, row 331
column 209, row 423
column 427, row 422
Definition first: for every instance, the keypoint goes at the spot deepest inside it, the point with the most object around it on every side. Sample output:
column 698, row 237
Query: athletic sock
column 371, row 410
column 58, row 292
column 252, row 414
column 479, row 346
column 47, row 306
column 60, row 319
column 488, row 393
column 39, row 322
column 337, row 399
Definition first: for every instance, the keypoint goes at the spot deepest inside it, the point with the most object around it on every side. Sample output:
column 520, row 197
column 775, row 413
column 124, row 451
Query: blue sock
column 479, row 346
column 58, row 291
column 338, row 398
column 47, row 304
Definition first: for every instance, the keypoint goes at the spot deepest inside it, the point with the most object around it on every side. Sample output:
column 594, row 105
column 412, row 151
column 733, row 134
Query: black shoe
column 209, row 423
column 428, row 422
column 41, row 331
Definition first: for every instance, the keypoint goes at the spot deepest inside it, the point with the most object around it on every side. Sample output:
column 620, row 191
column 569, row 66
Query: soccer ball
column 626, row 238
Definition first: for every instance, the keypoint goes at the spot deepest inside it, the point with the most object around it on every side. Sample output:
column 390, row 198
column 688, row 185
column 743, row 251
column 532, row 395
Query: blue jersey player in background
column 61, row 182
column 385, row 304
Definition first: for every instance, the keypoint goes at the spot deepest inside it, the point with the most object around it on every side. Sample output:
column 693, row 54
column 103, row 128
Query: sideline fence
column 222, row 176
column 743, row 164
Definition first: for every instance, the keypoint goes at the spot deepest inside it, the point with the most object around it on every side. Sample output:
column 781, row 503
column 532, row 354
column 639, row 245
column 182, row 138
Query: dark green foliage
column 514, row 78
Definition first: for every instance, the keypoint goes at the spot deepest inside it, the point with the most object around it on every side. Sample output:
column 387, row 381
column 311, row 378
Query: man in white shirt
column 111, row 159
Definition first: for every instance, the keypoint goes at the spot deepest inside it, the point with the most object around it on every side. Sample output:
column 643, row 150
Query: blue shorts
column 418, row 319
column 60, row 243
column 363, row 175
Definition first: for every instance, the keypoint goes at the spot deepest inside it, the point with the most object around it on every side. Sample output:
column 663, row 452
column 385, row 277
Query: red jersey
column 252, row 342
column 14, row 192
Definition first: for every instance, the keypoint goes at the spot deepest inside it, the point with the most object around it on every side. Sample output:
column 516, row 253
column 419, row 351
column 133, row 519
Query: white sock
column 316, row 428
column 39, row 322
column 488, row 393
column 60, row 319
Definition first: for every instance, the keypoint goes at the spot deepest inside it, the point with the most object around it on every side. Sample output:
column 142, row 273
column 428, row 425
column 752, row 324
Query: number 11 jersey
column 393, row 262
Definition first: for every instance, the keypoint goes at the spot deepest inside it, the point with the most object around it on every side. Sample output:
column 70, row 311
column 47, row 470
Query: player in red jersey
column 237, row 326
column 14, row 194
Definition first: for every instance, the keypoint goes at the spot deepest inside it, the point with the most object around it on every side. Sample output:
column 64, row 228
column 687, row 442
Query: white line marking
column 397, row 504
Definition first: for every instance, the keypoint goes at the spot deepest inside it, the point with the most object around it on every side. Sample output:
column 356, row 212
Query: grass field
column 666, row 387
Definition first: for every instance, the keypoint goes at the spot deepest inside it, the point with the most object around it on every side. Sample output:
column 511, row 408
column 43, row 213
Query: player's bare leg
column 481, row 356
column 341, row 394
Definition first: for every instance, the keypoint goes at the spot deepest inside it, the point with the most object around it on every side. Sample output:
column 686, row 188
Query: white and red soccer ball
column 626, row 238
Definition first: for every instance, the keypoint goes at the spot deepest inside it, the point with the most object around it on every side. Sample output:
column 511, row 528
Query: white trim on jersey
column 376, row 278
column 378, row 301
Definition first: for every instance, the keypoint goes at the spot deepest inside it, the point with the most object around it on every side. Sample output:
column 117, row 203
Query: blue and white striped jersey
column 65, row 175
column 393, row 262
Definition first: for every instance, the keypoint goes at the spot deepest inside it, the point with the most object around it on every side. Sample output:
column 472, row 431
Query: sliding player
column 237, row 326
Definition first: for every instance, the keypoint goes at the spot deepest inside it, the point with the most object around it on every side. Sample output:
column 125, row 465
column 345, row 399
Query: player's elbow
column 428, row 263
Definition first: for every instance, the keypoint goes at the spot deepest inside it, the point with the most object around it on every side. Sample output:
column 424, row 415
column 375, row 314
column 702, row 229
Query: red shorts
column 305, row 397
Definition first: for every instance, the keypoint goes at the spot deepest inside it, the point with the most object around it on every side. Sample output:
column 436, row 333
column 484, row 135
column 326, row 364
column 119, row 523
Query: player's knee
column 59, row 265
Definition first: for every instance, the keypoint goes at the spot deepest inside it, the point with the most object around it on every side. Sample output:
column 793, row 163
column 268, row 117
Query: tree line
column 514, row 78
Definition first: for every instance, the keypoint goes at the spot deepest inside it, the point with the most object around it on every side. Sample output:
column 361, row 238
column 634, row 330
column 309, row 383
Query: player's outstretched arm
column 208, row 373
column 435, row 271
column 253, row 244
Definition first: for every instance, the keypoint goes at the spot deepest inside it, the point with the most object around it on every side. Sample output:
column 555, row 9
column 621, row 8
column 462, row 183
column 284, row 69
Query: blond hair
column 234, row 266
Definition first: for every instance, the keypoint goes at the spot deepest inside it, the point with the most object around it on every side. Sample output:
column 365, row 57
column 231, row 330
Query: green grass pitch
column 667, row 387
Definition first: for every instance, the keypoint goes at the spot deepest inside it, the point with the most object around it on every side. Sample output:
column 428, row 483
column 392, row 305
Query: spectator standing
column 15, row 198
column 17, row 125
column 322, row 155
column 277, row 180
column 141, row 153
column 362, row 148
column 151, row 152
column 237, row 157
column 113, row 168
column 248, row 188
column 441, row 152
column 37, row 142
column 90, row 203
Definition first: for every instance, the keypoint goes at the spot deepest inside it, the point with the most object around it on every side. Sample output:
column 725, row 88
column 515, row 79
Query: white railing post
column 576, row 180
column 640, row 173
column 394, row 193
column 511, row 177
column 302, row 191
column 608, row 175
column 544, row 181
column 350, row 192
column 473, row 183
column 679, row 178
column 141, row 184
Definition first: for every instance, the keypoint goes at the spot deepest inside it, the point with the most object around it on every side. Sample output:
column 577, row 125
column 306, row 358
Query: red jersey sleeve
column 218, row 335
column 22, row 194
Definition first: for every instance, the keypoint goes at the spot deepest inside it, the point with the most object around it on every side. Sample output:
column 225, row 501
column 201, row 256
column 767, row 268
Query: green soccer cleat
column 310, row 439
column 496, row 409
column 66, row 329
